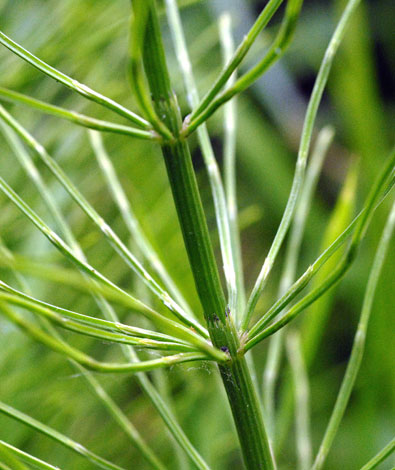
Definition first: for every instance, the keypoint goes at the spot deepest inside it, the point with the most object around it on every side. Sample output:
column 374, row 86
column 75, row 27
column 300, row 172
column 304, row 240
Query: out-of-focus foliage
column 88, row 40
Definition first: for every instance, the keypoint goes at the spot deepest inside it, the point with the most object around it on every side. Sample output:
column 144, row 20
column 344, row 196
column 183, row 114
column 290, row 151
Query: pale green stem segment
column 8, row 461
column 230, row 123
column 61, row 314
column 131, row 220
column 85, row 267
column 158, row 402
column 304, row 147
column 235, row 374
column 88, row 330
column 97, row 389
column 58, row 437
column 274, row 53
column 271, row 370
column 74, row 85
column 302, row 398
column 313, row 324
column 236, row 59
column 358, row 345
column 161, row 406
column 74, row 116
column 385, row 180
column 87, row 361
column 139, row 85
column 381, row 456
column 107, row 231
column 213, row 172
column 29, row 459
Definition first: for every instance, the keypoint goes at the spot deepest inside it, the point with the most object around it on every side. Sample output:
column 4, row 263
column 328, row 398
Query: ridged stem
column 235, row 374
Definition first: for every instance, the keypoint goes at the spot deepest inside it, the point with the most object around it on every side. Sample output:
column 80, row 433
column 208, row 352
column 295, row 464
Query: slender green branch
column 358, row 345
column 272, row 367
column 60, row 315
column 241, row 51
column 57, row 436
column 160, row 405
column 213, row 171
column 302, row 407
column 86, row 329
column 131, row 220
column 71, row 83
column 312, row 328
column 119, row 293
column 235, row 374
column 386, row 179
column 107, row 231
column 74, row 117
column 136, row 75
column 87, row 361
column 29, row 459
column 307, row 132
column 109, row 404
column 381, row 456
column 275, row 52
column 230, row 118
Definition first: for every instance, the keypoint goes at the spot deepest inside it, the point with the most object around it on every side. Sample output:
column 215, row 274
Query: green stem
column 235, row 374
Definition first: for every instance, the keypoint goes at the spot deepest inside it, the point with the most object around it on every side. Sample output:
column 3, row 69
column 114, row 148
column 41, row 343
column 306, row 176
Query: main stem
column 235, row 374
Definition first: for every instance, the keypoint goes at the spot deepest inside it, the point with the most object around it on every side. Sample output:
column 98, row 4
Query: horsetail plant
column 173, row 332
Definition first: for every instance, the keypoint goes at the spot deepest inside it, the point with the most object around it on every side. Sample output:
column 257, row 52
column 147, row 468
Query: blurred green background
column 88, row 40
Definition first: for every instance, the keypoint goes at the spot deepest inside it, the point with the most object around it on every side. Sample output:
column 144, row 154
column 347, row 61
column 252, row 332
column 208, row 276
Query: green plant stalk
column 275, row 52
column 380, row 456
column 236, row 378
column 241, row 51
column 308, row 126
column 131, row 221
column 87, row 361
column 74, row 116
column 387, row 177
column 29, row 459
column 213, row 172
column 106, row 230
column 57, row 436
column 98, row 391
column 71, row 83
column 358, row 345
column 163, row 410
column 272, row 367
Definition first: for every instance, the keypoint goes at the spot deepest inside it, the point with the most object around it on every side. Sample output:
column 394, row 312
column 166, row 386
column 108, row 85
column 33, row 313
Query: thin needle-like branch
column 108, row 403
column 358, row 345
column 107, row 231
column 29, row 459
column 213, row 172
column 241, row 51
column 57, row 436
column 383, row 184
column 62, row 347
column 75, row 117
column 380, row 456
column 131, row 220
column 230, row 122
column 275, row 52
column 302, row 407
column 71, row 83
column 304, row 147
column 272, row 367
